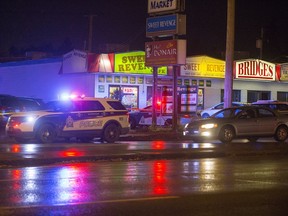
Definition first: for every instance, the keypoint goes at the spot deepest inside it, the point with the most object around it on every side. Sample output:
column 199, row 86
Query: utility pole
column 261, row 46
column 259, row 43
column 229, row 58
column 90, row 34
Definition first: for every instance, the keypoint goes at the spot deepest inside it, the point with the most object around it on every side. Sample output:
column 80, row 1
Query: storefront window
column 282, row 96
column 236, row 95
column 128, row 95
column 253, row 96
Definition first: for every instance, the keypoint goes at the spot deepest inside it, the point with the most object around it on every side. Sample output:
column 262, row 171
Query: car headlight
column 31, row 118
column 21, row 119
column 209, row 126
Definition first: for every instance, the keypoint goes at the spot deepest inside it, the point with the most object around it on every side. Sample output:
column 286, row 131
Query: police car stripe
column 86, row 115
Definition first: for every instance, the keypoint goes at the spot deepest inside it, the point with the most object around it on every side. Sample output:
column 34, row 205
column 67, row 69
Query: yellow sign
column 203, row 66
column 134, row 63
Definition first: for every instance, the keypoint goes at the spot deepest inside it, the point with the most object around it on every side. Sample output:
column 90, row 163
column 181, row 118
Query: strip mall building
column 124, row 76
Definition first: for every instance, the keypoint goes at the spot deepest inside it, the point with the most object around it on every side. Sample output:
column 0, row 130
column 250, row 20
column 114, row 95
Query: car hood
column 201, row 121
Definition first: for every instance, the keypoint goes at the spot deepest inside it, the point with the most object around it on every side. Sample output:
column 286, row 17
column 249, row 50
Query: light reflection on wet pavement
column 92, row 182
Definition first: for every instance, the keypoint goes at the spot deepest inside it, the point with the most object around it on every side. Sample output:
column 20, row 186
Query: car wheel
column 46, row 133
column 281, row 134
column 111, row 133
column 133, row 123
column 205, row 115
column 226, row 134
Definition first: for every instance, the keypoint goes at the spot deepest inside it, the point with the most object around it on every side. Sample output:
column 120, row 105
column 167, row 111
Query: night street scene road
column 147, row 107
column 163, row 177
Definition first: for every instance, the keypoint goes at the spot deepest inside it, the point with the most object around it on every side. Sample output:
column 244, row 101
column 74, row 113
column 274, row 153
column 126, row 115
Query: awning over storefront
column 202, row 66
column 74, row 62
column 100, row 62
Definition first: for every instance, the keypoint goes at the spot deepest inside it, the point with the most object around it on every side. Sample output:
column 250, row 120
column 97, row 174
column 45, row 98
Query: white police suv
column 83, row 118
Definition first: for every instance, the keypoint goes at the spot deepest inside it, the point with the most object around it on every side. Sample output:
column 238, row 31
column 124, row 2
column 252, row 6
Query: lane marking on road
column 92, row 202
column 263, row 183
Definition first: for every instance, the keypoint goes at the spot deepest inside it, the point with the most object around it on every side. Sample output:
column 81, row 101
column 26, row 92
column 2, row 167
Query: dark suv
column 11, row 104
column 280, row 106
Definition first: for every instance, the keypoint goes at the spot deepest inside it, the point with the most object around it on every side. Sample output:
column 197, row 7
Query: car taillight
column 14, row 123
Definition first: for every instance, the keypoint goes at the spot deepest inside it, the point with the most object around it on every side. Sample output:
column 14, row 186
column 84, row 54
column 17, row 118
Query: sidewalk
column 146, row 134
column 140, row 134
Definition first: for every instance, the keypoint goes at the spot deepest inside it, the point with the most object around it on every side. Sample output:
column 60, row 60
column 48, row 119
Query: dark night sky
column 27, row 24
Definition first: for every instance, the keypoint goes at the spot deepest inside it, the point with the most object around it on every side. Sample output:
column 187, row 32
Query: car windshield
column 59, row 106
column 31, row 104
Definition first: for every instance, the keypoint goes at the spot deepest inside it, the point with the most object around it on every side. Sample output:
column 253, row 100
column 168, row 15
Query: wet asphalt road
column 158, row 177
column 15, row 154
column 254, row 185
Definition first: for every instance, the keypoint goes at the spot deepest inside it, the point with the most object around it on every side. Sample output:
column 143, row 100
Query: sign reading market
column 134, row 63
column 163, row 6
column 254, row 69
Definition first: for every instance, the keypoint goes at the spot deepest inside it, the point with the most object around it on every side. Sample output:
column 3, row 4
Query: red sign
column 165, row 53
column 255, row 69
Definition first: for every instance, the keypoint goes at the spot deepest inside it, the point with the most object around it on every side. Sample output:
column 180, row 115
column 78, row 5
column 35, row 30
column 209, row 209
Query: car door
column 267, row 121
column 89, row 115
column 246, row 123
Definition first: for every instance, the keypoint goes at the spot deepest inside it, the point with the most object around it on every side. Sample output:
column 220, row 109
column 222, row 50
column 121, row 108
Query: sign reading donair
column 165, row 53
column 134, row 63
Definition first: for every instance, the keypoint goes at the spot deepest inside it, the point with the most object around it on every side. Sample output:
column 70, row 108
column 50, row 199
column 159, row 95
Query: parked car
column 206, row 113
column 279, row 106
column 143, row 117
column 84, row 118
column 251, row 122
column 11, row 104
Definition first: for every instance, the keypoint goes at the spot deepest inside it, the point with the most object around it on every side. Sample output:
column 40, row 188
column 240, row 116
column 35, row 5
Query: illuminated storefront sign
column 134, row 63
column 284, row 72
column 166, row 25
column 165, row 53
column 158, row 6
column 254, row 69
column 203, row 66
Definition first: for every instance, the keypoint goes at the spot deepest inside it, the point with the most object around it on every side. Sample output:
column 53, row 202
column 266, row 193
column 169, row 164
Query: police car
column 83, row 118
column 143, row 117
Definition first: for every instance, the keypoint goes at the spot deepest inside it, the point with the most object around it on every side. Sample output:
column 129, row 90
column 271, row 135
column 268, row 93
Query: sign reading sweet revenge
column 134, row 63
